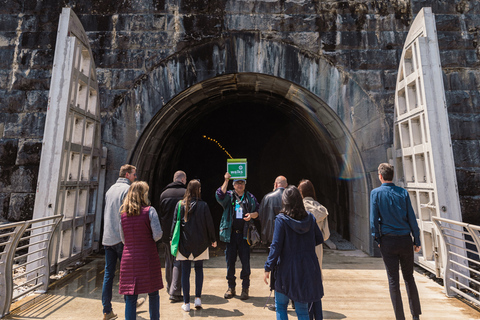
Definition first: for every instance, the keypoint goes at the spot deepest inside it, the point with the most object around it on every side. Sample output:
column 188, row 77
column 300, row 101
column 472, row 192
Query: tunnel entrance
column 277, row 136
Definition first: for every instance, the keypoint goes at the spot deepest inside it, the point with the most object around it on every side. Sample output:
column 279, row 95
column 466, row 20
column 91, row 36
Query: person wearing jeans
column 281, row 304
column 112, row 241
column 112, row 254
column 153, row 305
column 186, row 270
column 140, row 269
column 292, row 252
column 197, row 233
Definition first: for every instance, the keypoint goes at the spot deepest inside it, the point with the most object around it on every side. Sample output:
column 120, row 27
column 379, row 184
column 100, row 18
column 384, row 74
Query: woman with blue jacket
column 293, row 252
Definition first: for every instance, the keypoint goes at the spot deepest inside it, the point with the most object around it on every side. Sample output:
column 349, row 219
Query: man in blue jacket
column 393, row 224
column 239, row 207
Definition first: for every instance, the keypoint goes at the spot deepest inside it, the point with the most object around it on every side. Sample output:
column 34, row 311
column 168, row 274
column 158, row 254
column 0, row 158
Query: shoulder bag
column 176, row 233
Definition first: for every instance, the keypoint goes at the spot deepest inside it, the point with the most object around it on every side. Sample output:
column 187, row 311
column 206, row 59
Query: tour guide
column 239, row 206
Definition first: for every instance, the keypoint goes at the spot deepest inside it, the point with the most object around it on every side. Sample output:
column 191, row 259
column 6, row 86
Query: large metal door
column 422, row 144
column 71, row 160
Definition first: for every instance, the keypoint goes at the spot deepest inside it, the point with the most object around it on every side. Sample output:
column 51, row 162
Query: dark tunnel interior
column 277, row 138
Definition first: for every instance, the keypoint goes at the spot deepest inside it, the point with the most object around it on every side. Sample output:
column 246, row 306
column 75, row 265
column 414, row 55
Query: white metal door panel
column 423, row 155
column 70, row 164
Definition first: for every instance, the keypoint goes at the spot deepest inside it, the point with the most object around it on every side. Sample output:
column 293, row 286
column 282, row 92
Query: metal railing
column 25, row 258
column 462, row 270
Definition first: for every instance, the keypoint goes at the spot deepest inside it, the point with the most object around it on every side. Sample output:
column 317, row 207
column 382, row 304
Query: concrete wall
column 132, row 40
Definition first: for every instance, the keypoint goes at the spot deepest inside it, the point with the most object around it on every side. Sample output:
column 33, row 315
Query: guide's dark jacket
column 227, row 201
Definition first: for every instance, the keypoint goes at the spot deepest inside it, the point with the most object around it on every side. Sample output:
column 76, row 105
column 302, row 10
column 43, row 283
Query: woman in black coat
column 298, row 274
column 197, row 233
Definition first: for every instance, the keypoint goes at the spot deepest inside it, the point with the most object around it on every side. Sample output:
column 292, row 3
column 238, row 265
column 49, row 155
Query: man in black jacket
column 171, row 194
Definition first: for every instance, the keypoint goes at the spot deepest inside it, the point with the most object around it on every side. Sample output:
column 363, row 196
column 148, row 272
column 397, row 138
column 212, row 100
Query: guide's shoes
column 244, row 295
column 230, row 293
column 109, row 316
column 271, row 307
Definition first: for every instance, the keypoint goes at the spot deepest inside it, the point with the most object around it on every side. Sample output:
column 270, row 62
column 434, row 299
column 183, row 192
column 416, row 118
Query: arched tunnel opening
column 276, row 135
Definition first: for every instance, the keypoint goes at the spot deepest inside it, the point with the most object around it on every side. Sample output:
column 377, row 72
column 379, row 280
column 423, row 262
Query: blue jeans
column 112, row 254
column 281, row 304
column 238, row 245
column 186, row 270
column 153, row 306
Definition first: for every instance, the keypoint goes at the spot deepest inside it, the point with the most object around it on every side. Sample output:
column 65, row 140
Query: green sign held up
column 237, row 168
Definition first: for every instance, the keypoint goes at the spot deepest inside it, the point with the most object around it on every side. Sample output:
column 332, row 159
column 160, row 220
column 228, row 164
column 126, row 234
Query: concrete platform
column 355, row 288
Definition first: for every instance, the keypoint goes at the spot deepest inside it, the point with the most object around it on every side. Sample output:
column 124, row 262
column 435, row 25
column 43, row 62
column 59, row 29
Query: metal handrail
column 38, row 233
column 462, row 258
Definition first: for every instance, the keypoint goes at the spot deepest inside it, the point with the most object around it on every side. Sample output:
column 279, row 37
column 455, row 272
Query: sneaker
column 174, row 298
column 198, row 303
column 109, row 316
column 186, row 307
column 244, row 295
column 271, row 307
column 230, row 293
column 140, row 301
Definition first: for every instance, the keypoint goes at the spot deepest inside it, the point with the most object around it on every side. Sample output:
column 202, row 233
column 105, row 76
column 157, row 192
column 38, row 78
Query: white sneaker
column 186, row 307
column 198, row 303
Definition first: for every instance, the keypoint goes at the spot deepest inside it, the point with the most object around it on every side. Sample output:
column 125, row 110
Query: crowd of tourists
column 293, row 226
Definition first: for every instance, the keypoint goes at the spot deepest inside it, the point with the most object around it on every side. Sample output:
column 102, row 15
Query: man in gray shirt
column 112, row 241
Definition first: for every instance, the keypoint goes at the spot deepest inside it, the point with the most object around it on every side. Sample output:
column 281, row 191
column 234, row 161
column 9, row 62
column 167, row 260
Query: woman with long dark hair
column 140, row 269
column 197, row 233
column 320, row 213
column 293, row 252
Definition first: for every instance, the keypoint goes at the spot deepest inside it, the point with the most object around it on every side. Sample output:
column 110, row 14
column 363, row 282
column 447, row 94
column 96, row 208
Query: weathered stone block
column 32, row 79
column 450, row 39
column 21, row 206
column 95, row 22
column 447, row 22
column 9, row 22
column 12, row 101
column 8, row 151
column 29, row 151
column 37, row 101
column 373, row 59
column 469, row 206
column 464, row 126
column 466, row 153
column 35, row 40
column 24, row 178
column 458, row 58
column 119, row 59
column 460, row 101
column 25, row 125
column 470, row 181
column 4, row 202
column 369, row 80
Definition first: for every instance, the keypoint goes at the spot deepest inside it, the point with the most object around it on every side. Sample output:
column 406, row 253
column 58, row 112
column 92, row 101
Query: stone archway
column 348, row 129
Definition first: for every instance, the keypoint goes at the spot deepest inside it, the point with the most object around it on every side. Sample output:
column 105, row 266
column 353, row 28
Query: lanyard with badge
column 238, row 207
